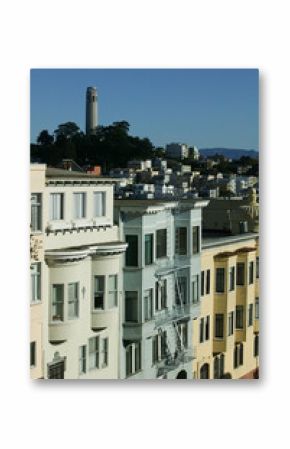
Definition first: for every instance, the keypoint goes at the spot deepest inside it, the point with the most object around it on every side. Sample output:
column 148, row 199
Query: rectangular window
column 181, row 241
column 82, row 359
column 238, row 355
column 137, row 356
column 256, row 345
column 207, row 327
column 257, row 267
column 33, row 354
column 79, row 205
column 99, row 204
column 99, row 292
column 35, row 282
column 113, row 291
column 161, row 243
column 155, row 352
column 195, row 239
column 251, row 272
column 183, row 332
column 36, row 212
column 251, row 315
column 133, row 358
column 256, row 308
column 161, row 294
column 148, row 249
column 105, row 351
column 202, row 284
column 231, row 323
column 56, row 206
column 94, row 353
column 240, row 273
column 148, row 304
column 73, row 300
column 220, row 280
column 163, row 338
column 131, row 306
column 181, row 290
column 132, row 251
column 232, row 278
column 58, row 302
column 201, row 330
column 239, row 317
column 207, row 282
column 195, row 297
column 219, row 325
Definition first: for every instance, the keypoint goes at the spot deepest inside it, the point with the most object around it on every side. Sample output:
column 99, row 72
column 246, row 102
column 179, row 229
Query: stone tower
column 91, row 110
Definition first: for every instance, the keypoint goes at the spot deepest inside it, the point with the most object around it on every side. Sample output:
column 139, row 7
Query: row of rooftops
column 210, row 239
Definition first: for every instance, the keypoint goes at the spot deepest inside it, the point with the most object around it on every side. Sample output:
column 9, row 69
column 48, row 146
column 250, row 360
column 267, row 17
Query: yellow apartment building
column 226, row 334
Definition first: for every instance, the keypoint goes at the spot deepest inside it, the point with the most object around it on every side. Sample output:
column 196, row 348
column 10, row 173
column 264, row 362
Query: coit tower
column 91, row 110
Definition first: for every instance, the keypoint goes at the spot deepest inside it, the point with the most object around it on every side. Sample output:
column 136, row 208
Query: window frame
column 36, row 205
column 136, row 303
column 195, row 240
column 33, row 358
column 181, row 241
column 35, row 280
column 133, row 262
column 102, row 195
column 80, row 207
column 112, row 293
column 219, row 325
column 75, row 300
column 100, row 291
column 95, row 353
column 55, row 302
column 53, row 213
column 148, row 256
column 82, row 359
column 240, row 278
column 220, row 270
column 239, row 317
column 161, row 248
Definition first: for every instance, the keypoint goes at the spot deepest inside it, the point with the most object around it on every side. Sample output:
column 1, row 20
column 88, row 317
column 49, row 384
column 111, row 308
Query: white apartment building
column 161, row 286
column 177, row 150
column 76, row 280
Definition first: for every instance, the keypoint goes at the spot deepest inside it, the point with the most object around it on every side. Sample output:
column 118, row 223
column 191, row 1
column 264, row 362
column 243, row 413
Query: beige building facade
column 80, row 280
column 226, row 334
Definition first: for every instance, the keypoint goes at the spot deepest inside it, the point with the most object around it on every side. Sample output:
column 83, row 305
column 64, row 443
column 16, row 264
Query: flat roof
column 59, row 173
column 209, row 241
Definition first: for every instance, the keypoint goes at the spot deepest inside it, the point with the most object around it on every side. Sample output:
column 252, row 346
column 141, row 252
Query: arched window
column 182, row 375
column 204, row 371
column 216, row 368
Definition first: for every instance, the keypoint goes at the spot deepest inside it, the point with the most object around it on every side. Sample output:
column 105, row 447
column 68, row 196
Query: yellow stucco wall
column 227, row 256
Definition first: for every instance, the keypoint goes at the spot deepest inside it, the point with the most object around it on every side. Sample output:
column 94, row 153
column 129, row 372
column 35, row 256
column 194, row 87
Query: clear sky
column 203, row 107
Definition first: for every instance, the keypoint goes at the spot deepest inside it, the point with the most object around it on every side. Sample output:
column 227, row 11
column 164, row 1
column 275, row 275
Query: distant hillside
column 230, row 153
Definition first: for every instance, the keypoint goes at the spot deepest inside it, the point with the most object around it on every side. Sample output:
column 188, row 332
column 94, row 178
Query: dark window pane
column 32, row 353
column 219, row 325
column 220, row 280
column 132, row 251
column 195, row 239
column 240, row 273
column 161, row 243
column 131, row 306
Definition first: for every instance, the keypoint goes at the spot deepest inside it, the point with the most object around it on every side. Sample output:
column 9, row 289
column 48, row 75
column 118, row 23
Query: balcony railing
column 172, row 362
column 176, row 313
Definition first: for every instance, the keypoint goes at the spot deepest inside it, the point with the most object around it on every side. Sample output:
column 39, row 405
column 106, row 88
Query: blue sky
column 203, row 107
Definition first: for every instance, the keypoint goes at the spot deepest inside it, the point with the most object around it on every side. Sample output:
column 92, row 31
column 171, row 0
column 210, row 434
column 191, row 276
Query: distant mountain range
column 230, row 153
